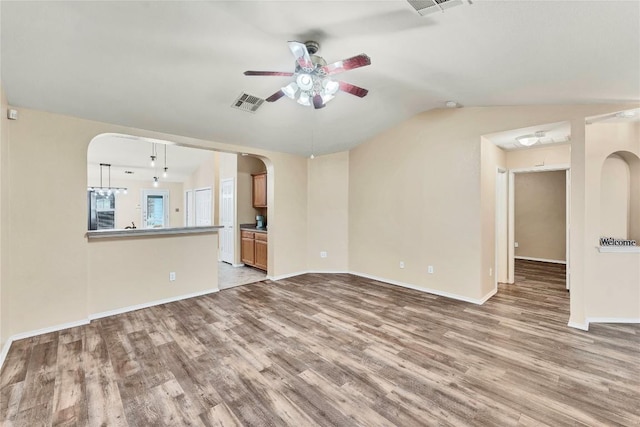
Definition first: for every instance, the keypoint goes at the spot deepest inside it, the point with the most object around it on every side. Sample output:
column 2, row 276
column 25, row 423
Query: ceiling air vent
column 425, row 7
column 248, row 103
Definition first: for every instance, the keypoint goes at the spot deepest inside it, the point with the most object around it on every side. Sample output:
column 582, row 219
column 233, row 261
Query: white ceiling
column 127, row 153
column 554, row 133
column 177, row 67
column 557, row 133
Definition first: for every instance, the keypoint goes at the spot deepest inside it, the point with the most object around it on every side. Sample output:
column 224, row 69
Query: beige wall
column 540, row 215
column 203, row 177
column 133, row 271
column 615, row 198
column 612, row 280
column 416, row 195
column 553, row 155
column 493, row 158
column 4, row 206
column 328, row 204
column 248, row 165
column 48, row 255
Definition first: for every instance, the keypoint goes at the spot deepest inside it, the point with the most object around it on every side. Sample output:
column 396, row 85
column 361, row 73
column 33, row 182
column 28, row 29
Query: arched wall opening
column 192, row 172
column 620, row 196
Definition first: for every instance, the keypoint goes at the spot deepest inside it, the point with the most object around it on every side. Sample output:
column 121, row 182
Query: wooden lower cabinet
column 254, row 249
column 247, row 251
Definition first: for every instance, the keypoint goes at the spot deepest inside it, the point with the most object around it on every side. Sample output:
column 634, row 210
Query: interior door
column 227, row 220
column 155, row 208
column 189, row 218
column 203, row 207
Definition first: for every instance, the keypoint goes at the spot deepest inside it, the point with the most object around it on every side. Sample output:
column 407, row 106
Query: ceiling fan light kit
column 313, row 84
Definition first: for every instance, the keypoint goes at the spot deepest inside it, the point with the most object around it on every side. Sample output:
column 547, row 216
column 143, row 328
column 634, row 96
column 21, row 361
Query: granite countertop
column 252, row 227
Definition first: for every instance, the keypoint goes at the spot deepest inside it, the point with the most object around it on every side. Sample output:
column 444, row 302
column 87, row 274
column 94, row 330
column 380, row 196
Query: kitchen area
column 253, row 236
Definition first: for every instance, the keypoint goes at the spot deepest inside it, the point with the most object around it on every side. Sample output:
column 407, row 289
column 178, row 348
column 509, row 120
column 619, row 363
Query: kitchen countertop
column 252, row 227
column 136, row 232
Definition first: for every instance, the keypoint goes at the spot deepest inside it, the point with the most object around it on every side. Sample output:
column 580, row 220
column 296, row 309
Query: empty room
column 320, row 213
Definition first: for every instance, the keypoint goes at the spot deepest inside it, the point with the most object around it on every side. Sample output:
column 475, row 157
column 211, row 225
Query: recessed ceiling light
column 451, row 104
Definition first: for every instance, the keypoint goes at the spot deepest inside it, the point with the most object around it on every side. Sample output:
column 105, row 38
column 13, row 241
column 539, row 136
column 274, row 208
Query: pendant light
column 165, row 173
column 153, row 154
column 102, row 190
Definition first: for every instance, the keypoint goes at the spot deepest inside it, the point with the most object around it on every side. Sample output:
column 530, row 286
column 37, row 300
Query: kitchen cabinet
column 260, row 248
column 254, row 249
column 247, row 248
column 260, row 190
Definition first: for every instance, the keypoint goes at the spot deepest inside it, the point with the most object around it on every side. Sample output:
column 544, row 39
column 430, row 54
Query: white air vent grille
column 248, row 103
column 424, row 7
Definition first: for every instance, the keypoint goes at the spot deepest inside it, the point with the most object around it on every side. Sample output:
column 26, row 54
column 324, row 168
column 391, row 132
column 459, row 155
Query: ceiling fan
column 313, row 83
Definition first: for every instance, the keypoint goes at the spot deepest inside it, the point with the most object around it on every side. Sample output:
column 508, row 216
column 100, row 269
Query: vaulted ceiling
column 177, row 67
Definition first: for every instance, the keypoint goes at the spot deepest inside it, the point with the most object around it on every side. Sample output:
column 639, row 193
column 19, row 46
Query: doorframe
column 188, row 208
column 511, row 215
column 166, row 207
column 501, row 220
column 234, row 224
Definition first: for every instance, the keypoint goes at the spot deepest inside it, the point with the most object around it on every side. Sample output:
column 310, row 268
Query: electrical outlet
column 430, row 269
column 401, row 264
column 172, row 276
column 516, row 244
column 323, row 254
column 490, row 272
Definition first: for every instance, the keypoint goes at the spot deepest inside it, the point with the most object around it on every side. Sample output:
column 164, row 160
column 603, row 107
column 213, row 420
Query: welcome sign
column 612, row 241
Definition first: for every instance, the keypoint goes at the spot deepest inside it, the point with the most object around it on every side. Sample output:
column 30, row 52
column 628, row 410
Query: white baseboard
column 328, row 272
column 581, row 326
column 29, row 334
column 612, row 320
column 94, row 316
column 553, row 261
column 5, row 351
column 122, row 310
column 286, row 276
column 488, row 295
column 428, row 290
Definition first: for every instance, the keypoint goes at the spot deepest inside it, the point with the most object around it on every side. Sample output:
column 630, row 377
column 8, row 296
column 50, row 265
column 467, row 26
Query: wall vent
column 425, row 7
column 247, row 102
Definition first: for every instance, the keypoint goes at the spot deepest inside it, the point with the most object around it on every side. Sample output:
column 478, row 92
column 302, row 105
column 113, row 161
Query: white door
column 227, row 219
column 155, row 208
column 203, row 207
column 189, row 219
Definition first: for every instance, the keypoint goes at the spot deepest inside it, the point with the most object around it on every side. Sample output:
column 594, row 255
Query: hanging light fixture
column 153, row 154
column 155, row 181
column 102, row 190
column 166, row 169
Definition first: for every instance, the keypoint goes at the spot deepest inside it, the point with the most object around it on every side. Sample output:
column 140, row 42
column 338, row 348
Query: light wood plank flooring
column 332, row 350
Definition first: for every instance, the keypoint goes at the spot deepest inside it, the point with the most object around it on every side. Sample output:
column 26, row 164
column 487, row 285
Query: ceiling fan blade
column 301, row 53
column 273, row 98
column 353, row 89
column 317, row 102
column 267, row 73
column 347, row 64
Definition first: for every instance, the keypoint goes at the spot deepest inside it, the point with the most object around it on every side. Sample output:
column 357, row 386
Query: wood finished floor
column 332, row 350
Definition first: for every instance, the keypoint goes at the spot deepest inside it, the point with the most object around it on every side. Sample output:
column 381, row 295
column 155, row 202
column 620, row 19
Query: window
column 155, row 208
